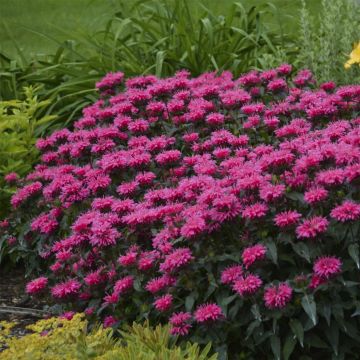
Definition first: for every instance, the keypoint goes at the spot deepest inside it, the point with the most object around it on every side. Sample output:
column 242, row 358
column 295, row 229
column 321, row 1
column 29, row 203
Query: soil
column 12, row 294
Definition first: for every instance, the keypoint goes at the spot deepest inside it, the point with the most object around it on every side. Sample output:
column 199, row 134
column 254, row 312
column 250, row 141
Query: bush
column 20, row 126
column 228, row 207
column 61, row 339
column 151, row 37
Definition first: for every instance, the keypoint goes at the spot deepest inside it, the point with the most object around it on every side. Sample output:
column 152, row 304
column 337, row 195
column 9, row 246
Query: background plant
column 20, row 127
column 62, row 339
column 328, row 38
column 157, row 37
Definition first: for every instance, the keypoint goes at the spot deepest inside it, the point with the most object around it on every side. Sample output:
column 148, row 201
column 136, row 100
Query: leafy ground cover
column 69, row 338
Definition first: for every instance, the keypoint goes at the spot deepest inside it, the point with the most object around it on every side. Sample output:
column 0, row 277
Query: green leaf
column 309, row 305
column 298, row 330
column 275, row 346
column 289, row 347
column 160, row 56
column 250, row 329
column 332, row 333
column 272, row 251
column 326, row 311
column 353, row 250
column 189, row 302
column 256, row 312
column 302, row 250
column 296, row 196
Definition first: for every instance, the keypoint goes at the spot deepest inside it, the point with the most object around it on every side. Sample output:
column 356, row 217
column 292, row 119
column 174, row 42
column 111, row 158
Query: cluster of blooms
column 149, row 174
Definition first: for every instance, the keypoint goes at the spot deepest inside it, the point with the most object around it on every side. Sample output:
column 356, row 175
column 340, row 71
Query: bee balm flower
column 208, row 313
column 277, row 296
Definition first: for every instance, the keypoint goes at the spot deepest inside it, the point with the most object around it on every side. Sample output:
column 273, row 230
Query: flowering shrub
column 228, row 207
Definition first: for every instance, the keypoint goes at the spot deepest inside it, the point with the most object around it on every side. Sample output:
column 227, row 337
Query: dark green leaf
column 189, row 302
column 353, row 250
column 272, row 251
column 289, row 347
column 298, row 330
column 302, row 249
column 309, row 305
column 275, row 346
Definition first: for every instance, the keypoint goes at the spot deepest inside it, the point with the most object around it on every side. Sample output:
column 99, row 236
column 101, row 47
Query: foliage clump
column 224, row 206
column 20, row 126
column 69, row 339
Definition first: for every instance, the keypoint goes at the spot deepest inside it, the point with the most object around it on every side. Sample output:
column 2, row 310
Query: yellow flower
column 354, row 57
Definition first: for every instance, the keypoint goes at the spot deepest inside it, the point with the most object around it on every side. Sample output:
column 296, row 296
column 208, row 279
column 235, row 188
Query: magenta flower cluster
column 133, row 201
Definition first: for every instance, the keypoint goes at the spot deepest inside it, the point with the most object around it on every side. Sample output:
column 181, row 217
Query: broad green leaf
column 289, row 347
column 272, row 251
column 309, row 305
column 275, row 346
column 353, row 250
column 298, row 330
column 302, row 250
column 189, row 302
column 332, row 333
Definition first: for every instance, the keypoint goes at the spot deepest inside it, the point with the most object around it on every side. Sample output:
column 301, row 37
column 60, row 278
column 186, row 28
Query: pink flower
column 128, row 259
column 94, row 278
column 111, row 299
column 255, row 211
column 11, row 240
column 310, row 228
column 277, row 296
column 109, row 321
column 45, row 224
column 36, row 286
column 182, row 329
column 215, row 119
column 24, row 193
column 206, row 313
column 66, row 289
column 89, row 311
column 160, row 283
column 110, row 80
column 277, row 85
column 287, row 218
column 11, row 177
column 316, row 281
column 163, row 303
column 315, row 195
column 232, row 273
column 347, row 211
column 193, row 226
column 253, row 253
column 247, row 285
column 327, row 267
column 67, row 315
column 328, row 86
column 271, row 192
column 179, row 318
column 168, row 157
column 123, row 285
column 179, row 323
column 284, row 69
column 4, row 224
column 177, row 259
column 330, row 177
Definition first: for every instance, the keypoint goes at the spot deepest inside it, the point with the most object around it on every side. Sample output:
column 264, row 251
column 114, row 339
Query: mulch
column 15, row 301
